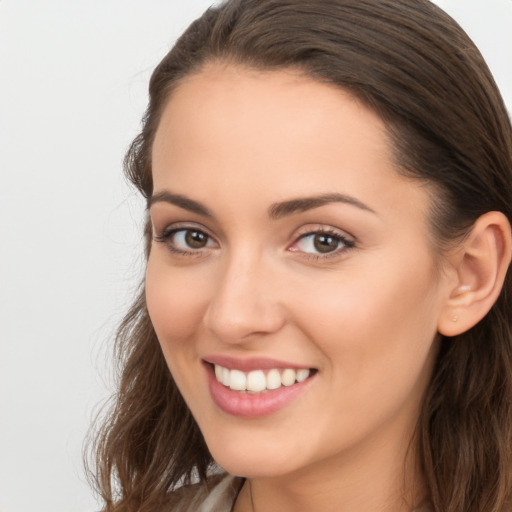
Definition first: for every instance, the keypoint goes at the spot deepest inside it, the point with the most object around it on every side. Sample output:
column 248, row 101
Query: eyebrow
column 275, row 212
column 181, row 201
column 285, row 208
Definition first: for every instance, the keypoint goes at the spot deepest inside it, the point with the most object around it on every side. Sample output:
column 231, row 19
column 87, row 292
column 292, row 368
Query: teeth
column 257, row 381
column 273, row 379
column 226, row 377
column 237, row 380
column 302, row 375
column 288, row 377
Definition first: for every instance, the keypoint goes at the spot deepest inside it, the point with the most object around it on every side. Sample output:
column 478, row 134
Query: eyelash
column 167, row 238
column 346, row 244
column 340, row 239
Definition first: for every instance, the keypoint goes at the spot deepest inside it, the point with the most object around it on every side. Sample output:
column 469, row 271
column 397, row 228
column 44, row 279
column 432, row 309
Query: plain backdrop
column 73, row 80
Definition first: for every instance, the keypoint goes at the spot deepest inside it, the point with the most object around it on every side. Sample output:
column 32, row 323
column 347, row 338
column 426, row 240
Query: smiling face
column 290, row 258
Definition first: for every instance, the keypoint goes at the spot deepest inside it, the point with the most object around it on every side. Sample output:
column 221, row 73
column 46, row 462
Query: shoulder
column 216, row 494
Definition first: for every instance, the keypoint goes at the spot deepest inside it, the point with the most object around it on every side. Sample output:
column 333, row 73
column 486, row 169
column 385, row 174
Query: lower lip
column 249, row 405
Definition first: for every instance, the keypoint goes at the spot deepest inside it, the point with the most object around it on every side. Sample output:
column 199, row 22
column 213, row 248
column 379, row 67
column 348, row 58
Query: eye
column 186, row 240
column 320, row 243
column 190, row 238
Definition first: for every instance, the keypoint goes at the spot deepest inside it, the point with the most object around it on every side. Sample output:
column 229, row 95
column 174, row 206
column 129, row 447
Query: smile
column 256, row 388
column 258, row 381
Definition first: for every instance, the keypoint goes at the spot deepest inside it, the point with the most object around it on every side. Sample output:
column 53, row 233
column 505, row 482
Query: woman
column 326, row 309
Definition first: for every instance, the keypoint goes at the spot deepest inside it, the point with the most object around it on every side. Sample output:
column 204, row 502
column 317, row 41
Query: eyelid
column 348, row 241
column 176, row 226
column 166, row 234
column 322, row 228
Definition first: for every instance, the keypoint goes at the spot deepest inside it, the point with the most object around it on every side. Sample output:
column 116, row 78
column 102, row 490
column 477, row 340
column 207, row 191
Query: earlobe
column 481, row 265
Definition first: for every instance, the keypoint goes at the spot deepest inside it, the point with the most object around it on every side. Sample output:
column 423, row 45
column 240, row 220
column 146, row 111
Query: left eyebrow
column 180, row 201
column 302, row 204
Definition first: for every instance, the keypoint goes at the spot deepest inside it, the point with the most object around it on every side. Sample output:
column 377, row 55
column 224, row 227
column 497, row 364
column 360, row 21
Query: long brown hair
column 413, row 65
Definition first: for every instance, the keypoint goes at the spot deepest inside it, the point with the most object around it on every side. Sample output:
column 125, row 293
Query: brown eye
column 324, row 243
column 186, row 241
column 196, row 239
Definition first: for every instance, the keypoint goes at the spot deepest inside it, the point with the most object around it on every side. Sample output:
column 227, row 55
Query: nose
column 244, row 305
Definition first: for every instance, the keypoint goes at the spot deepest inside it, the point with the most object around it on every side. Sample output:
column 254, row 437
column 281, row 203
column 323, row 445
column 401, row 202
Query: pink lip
column 247, row 405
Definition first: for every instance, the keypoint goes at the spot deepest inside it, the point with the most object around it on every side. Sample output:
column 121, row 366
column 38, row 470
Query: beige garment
column 219, row 496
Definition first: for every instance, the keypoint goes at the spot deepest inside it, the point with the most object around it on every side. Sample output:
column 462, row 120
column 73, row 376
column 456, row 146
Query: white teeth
column 273, row 379
column 237, row 380
column 302, row 375
column 256, row 381
column 288, row 377
column 226, row 377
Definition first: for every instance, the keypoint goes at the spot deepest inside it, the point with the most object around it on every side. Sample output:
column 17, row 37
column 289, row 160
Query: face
column 293, row 264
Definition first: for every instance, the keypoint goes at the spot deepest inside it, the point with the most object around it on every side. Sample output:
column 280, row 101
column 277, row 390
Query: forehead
column 275, row 135
column 224, row 110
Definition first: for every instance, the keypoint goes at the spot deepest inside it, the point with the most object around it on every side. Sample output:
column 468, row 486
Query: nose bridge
column 243, row 303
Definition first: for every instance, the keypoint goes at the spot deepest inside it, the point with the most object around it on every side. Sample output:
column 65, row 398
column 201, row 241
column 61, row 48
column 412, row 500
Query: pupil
column 196, row 239
column 325, row 243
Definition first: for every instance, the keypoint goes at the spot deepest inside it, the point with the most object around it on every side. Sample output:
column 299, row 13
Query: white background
column 73, row 79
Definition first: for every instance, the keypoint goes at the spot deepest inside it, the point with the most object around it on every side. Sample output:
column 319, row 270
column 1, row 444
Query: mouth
column 260, row 381
column 254, row 389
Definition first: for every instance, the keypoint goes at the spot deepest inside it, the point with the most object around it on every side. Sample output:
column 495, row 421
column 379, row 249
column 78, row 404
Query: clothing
column 219, row 496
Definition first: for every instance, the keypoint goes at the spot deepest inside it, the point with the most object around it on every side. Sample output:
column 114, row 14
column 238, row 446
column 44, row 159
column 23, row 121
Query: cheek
column 373, row 321
column 176, row 304
column 378, row 347
column 175, row 301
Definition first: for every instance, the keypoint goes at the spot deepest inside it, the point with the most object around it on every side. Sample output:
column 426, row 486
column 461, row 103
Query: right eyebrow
column 180, row 201
column 302, row 204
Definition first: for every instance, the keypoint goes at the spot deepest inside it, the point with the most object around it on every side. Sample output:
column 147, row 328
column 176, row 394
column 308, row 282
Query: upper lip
column 253, row 363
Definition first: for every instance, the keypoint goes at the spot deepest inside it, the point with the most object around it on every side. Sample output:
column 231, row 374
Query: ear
column 480, row 265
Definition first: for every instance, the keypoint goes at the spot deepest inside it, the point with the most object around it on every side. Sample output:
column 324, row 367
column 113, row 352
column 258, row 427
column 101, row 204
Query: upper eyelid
column 348, row 241
column 170, row 230
column 312, row 229
column 178, row 226
column 301, row 232
column 167, row 238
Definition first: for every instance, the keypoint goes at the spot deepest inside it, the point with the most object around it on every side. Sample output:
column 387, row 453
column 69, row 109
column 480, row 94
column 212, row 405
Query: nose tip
column 244, row 307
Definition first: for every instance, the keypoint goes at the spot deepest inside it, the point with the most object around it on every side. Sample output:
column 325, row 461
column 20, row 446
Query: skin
column 365, row 317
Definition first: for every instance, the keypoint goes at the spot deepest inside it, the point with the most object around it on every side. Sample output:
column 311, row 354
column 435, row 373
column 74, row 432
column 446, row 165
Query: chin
column 253, row 458
column 250, row 468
